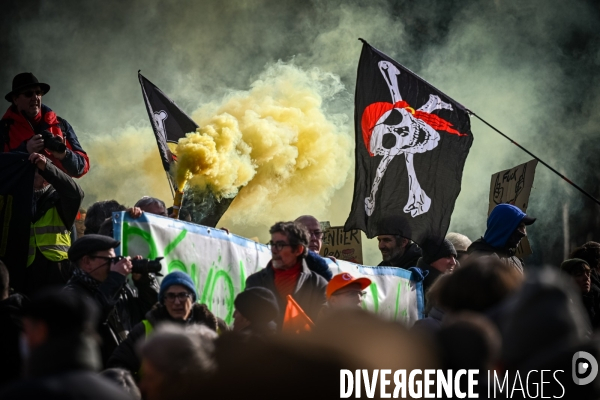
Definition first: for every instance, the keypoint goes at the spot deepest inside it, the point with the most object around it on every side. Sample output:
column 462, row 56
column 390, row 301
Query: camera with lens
column 53, row 143
column 144, row 265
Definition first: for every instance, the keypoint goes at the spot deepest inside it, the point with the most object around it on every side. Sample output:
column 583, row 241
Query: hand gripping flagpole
column 570, row 182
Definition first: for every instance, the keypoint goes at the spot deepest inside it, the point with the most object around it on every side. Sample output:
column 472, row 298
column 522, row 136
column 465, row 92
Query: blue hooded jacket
column 501, row 223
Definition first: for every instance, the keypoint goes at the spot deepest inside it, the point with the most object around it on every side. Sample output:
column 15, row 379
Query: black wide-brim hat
column 23, row 81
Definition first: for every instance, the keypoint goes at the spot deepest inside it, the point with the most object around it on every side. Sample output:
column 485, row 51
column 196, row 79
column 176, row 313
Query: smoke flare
column 275, row 144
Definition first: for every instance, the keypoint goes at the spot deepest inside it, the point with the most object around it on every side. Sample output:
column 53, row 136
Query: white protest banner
column 219, row 264
column 513, row 186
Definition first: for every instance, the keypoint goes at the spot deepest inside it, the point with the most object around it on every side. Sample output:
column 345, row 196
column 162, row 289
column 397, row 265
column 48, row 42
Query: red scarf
column 286, row 280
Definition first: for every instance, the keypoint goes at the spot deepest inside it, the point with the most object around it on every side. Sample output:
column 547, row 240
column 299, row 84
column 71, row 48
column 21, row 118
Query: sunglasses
column 30, row 93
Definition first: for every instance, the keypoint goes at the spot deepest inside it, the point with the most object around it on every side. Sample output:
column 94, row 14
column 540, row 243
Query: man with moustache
column 288, row 274
column 398, row 251
column 31, row 127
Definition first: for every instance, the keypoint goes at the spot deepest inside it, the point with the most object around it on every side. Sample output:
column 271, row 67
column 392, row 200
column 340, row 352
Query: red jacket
column 16, row 130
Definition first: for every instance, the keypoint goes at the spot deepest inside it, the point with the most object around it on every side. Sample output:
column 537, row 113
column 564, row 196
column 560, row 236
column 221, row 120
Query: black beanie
column 433, row 251
column 573, row 265
column 257, row 304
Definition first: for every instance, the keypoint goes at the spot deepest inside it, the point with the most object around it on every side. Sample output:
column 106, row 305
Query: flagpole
column 570, row 182
column 170, row 184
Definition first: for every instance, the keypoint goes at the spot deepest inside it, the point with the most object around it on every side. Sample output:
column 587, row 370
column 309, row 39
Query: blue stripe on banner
column 420, row 300
column 171, row 223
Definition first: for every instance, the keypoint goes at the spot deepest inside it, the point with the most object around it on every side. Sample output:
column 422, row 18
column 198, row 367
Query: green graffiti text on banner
column 375, row 294
column 146, row 236
column 398, row 294
column 242, row 277
column 171, row 246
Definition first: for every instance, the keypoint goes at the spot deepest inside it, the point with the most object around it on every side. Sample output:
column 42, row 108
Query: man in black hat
column 438, row 258
column 102, row 277
column 31, row 127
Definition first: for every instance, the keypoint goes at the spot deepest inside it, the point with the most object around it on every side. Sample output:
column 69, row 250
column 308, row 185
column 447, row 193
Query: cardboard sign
column 513, row 186
column 342, row 245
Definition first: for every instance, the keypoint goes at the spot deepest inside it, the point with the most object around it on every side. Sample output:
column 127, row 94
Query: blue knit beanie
column 177, row 278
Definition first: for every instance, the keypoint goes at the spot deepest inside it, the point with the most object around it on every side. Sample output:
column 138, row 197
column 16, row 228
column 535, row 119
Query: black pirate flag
column 168, row 121
column 411, row 145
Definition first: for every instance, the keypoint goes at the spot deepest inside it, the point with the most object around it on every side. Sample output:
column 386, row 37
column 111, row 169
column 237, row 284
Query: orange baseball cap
column 342, row 280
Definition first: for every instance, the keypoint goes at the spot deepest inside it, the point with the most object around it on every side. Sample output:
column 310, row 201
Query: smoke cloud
column 275, row 142
column 529, row 68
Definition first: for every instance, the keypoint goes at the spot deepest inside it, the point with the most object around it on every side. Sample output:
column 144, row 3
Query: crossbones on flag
column 412, row 142
column 168, row 121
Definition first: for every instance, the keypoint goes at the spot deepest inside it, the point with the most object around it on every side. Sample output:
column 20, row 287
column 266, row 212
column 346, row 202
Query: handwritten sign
column 342, row 245
column 513, row 186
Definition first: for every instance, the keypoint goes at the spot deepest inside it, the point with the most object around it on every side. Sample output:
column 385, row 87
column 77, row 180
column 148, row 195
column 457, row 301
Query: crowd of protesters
column 79, row 324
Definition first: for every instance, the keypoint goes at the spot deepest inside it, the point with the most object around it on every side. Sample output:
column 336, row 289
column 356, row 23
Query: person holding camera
column 102, row 277
column 56, row 201
column 32, row 127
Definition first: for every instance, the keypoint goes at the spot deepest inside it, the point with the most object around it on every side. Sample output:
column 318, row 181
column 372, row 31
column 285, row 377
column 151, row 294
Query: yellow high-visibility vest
column 51, row 236
column 147, row 327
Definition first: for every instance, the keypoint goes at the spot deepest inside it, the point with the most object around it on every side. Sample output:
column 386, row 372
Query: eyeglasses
column 316, row 234
column 106, row 259
column 351, row 293
column 278, row 245
column 182, row 296
column 30, row 93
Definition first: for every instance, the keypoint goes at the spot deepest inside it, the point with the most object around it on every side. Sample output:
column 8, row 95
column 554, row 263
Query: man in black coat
column 437, row 260
column 62, row 352
column 57, row 198
column 100, row 276
column 398, row 251
column 287, row 272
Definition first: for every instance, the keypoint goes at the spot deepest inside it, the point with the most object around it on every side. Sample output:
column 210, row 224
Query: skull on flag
column 390, row 129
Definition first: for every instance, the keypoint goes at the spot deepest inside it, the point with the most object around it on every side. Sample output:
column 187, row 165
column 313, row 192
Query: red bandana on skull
column 373, row 113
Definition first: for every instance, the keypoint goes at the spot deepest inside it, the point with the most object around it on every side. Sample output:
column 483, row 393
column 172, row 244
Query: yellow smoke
column 124, row 165
column 276, row 144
